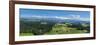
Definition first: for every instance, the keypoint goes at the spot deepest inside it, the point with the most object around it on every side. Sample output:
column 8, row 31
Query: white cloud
column 58, row 17
column 74, row 16
column 77, row 17
column 39, row 16
column 85, row 19
column 61, row 17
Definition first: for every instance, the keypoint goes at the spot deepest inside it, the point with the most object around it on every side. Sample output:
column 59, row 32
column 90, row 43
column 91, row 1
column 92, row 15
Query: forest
column 29, row 27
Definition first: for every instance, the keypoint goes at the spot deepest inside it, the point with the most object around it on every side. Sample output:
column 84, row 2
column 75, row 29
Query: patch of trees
column 37, row 28
column 81, row 26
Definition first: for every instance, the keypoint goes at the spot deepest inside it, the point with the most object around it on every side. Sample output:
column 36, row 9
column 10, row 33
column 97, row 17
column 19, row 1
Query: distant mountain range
column 56, row 20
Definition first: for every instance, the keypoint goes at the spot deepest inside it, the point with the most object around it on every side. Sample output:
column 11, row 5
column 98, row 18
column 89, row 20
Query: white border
column 42, row 37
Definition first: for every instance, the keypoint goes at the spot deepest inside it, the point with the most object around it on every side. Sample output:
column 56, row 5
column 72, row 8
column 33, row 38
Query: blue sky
column 63, row 14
